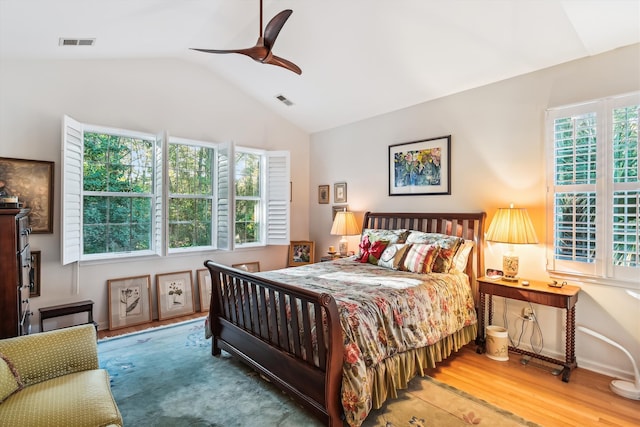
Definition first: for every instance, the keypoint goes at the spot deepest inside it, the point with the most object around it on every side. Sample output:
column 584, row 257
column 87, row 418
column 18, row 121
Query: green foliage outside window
column 247, row 187
column 117, row 184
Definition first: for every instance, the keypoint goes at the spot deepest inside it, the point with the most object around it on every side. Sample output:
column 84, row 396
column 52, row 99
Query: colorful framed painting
column 129, row 301
column 31, row 181
column 34, row 275
column 323, row 194
column 175, row 294
column 204, row 286
column 420, row 167
column 301, row 252
column 249, row 267
column 340, row 192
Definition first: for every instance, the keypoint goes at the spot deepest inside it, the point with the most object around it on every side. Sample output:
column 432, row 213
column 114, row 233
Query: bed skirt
column 395, row 372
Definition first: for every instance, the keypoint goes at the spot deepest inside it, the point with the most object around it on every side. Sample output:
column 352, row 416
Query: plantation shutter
column 72, row 171
column 278, row 197
column 158, row 206
column 224, row 205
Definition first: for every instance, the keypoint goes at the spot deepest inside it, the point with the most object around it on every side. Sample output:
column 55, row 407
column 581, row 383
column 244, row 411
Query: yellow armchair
column 53, row 379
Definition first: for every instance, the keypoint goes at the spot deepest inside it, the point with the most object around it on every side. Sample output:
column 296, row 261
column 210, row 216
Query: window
column 191, row 196
column 115, row 202
column 594, row 189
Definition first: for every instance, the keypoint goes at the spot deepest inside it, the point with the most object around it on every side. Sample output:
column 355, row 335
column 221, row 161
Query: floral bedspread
column 383, row 312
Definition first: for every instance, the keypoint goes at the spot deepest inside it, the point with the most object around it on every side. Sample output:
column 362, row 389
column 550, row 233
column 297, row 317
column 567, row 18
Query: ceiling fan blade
column 257, row 53
column 274, row 26
column 281, row 62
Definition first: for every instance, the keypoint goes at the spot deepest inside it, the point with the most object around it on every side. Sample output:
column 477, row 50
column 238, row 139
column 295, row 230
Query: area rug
column 167, row 377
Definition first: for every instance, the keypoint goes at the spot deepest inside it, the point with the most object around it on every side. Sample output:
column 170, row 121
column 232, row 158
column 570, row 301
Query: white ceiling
column 359, row 58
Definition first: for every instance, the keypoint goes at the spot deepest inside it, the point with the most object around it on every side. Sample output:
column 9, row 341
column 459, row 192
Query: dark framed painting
column 31, row 181
column 34, row 275
column 420, row 167
column 323, row 194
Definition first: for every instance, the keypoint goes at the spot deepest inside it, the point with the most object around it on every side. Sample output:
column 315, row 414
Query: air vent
column 76, row 42
column 284, row 100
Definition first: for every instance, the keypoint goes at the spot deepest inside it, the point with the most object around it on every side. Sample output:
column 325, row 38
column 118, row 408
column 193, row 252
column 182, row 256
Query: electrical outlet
column 528, row 313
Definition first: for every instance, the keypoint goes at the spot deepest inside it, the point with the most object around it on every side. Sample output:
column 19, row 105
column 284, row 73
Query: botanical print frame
column 323, row 194
column 204, row 286
column 129, row 301
column 249, row 267
column 301, row 252
column 32, row 182
column 420, row 167
column 175, row 294
column 340, row 192
column 34, row 275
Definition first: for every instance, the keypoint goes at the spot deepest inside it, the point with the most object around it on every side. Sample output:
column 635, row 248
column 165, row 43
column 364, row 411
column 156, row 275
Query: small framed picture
column 340, row 192
column 323, row 194
column 204, row 286
column 249, row 267
column 129, row 301
column 301, row 252
column 175, row 294
column 34, row 275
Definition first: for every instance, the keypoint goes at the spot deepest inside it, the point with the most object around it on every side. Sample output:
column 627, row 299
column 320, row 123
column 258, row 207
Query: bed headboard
column 470, row 226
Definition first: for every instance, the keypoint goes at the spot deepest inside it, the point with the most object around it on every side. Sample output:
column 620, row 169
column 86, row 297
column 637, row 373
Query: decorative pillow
column 9, row 379
column 393, row 255
column 371, row 251
column 420, row 257
column 389, row 236
column 461, row 257
column 448, row 247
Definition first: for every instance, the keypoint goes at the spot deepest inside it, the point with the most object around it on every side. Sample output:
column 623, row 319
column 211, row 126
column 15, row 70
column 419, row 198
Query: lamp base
column 343, row 246
column 510, row 278
column 625, row 389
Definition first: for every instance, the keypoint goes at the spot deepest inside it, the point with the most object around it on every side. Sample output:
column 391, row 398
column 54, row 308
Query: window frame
column 602, row 270
column 274, row 211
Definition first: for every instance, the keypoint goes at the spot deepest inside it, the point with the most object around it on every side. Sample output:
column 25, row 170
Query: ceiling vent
column 284, row 100
column 76, row 42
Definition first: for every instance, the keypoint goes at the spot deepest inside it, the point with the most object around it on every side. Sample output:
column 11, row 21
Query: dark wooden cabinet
column 15, row 262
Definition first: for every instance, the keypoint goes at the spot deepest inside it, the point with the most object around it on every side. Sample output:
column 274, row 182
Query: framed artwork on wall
column 31, row 181
column 420, row 167
column 323, row 194
column 175, row 294
column 340, row 192
column 129, row 301
column 34, row 275
column 204, row 286
column 301, row 252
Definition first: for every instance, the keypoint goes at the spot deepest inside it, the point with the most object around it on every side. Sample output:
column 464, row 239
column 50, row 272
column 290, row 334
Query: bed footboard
column 268, row 324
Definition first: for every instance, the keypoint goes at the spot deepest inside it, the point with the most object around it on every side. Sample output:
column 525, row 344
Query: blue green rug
column 167, row 377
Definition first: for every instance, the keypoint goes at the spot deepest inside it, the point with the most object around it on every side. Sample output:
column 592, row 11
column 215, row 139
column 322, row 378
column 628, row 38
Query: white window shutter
column 224, row 184
column 72, row 171
column 158, row 205
column 278, row 197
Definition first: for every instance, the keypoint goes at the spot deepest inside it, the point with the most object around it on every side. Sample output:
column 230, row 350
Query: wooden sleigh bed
column 271, row 325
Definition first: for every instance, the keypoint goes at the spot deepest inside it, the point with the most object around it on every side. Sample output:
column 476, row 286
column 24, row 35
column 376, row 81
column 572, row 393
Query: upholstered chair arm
column 51, row 354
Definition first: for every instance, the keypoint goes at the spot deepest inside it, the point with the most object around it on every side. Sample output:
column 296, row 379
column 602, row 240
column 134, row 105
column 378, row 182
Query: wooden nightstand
column 539, row 293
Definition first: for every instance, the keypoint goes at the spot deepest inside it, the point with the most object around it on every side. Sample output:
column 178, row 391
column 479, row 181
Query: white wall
column 497, row 158
column 144, row 95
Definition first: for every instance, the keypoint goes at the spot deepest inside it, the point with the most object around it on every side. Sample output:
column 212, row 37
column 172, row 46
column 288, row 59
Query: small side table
column 539, row 293
column 67, row 309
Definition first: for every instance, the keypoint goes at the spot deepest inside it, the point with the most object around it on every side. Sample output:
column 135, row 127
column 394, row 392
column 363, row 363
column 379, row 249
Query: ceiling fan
column 262, row 51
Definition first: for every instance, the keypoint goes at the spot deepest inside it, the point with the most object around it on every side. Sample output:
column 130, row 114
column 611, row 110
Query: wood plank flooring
column 529, row 391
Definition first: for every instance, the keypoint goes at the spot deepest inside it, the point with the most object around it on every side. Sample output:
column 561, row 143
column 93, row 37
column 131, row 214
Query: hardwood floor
column 529, row 391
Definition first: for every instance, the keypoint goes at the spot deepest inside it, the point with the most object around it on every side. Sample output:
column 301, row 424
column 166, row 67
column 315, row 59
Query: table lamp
column 512, row 226
column 344, row 224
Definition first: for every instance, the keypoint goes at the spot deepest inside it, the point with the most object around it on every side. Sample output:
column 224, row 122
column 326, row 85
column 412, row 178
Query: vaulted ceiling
column 359, row 58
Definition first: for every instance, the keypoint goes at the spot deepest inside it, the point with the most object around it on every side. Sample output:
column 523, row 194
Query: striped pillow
column 420, row 257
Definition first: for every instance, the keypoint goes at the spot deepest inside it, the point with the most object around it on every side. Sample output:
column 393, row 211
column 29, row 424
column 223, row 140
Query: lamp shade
column 512, row 225
column 345, row 224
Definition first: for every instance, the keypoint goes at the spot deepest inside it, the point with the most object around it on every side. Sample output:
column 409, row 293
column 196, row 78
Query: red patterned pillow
column 420, row 257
